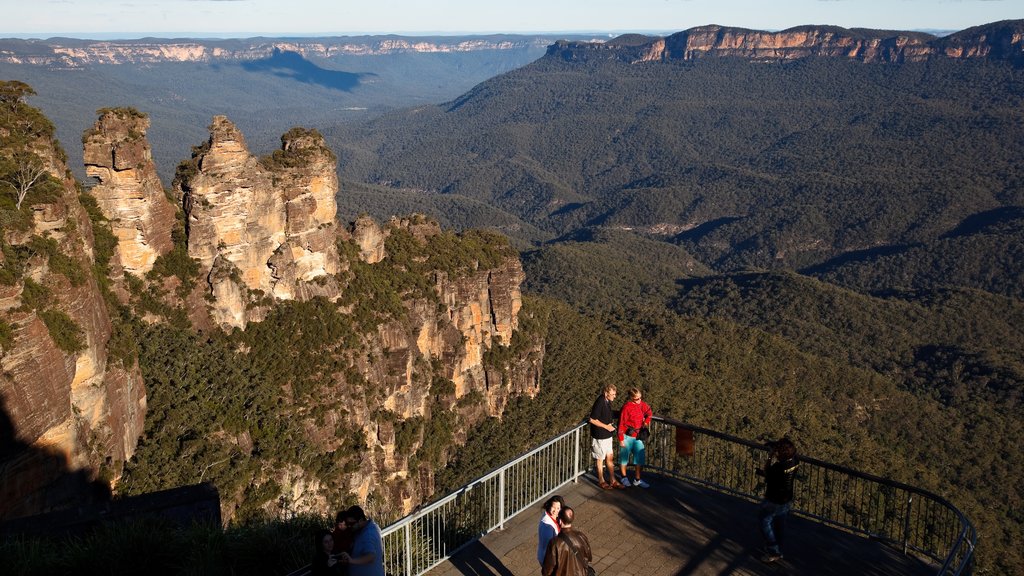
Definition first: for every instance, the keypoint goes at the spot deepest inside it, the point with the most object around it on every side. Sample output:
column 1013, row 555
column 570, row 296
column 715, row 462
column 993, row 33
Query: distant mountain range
column 74, row 53
column 265, row 85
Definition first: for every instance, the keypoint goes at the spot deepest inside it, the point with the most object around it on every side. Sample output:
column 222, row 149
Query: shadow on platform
column 677, row 529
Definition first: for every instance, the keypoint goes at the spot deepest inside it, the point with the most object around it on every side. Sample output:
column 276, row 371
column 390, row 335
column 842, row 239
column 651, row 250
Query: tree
column 12, row 95
column 26, row 171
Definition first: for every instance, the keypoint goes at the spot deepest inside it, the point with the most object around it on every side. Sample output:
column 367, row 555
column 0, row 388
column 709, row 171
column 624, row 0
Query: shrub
column 66, row 334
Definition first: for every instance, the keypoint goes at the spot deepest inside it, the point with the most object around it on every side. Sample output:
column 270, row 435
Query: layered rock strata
column 997, row 41
column 117, row 154
column 261, row 228
column 69, row 415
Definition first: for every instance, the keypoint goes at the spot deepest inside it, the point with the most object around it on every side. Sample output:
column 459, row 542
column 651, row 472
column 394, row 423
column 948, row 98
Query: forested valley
column 822, row 248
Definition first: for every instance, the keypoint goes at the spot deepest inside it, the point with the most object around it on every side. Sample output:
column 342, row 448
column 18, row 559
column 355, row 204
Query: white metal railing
column 429, row 536
column 906, row 517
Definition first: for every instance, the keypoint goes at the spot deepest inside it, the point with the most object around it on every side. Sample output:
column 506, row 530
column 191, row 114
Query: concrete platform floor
column 677, row 529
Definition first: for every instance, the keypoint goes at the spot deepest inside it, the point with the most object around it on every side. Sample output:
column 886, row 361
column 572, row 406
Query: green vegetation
column 6, row 335
column 66, row 334
column 748, row 165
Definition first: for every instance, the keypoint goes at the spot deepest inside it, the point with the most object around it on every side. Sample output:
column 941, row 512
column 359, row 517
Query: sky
column 242, row 18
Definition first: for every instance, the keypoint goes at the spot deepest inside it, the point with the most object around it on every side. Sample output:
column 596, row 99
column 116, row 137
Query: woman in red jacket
column 636, row 414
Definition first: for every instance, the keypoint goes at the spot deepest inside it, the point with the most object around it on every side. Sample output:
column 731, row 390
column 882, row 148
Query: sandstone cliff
column 260, row 228
column 444, row 338
column 68, row 53
column 999, row 41
column 129, row 192
column 70, row 414
column 423, row 345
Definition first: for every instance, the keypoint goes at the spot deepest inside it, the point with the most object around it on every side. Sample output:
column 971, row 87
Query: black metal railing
column 906, row 517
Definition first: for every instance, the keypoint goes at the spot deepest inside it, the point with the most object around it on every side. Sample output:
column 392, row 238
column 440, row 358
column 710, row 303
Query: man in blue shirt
column 367, row 558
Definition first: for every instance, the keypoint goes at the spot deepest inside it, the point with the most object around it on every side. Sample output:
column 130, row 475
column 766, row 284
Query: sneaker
column 625, row 482
column 770, row 557
column 640, row 483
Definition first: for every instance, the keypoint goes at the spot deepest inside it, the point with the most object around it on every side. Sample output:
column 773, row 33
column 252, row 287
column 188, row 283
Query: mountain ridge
column 1002, row 40
column 74, row 53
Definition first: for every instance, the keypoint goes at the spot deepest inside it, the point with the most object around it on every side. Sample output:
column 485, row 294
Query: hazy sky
column 227, row 18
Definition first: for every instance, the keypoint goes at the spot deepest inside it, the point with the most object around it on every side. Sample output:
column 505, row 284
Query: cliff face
column 998, row 41
column 71, row 412
column 129, row 192
column 475, row 314
column 66, row 53
column 261, row 229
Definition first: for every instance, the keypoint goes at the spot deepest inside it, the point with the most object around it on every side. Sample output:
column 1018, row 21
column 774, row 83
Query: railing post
column 408, row 549
column 576, row 455
column 501, row 499
column 906, row 523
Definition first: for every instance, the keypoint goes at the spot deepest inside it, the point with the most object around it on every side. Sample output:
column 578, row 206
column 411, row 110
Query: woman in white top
column 548, row 527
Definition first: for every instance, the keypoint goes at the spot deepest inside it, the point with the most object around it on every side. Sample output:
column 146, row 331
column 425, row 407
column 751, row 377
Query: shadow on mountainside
column 291, row 65
column 34, row 480
column 988, row 221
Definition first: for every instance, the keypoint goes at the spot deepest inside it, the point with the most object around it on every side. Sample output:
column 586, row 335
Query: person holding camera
column 324, row 561
column 367, row 556
column 634, row 422
column 779, row 473
column 601, row 429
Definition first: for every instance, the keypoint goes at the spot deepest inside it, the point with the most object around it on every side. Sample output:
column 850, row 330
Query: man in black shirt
column 601, row 430
column 779, row 472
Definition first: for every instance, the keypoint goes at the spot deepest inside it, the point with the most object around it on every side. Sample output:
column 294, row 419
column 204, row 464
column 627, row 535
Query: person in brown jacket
column 568, row 553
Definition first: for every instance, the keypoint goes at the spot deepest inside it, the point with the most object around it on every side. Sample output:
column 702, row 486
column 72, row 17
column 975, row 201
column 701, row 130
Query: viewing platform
column 677, row 529
column 697, row 518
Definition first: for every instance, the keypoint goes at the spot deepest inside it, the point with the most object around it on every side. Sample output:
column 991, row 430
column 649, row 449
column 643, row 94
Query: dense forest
column 820, row 247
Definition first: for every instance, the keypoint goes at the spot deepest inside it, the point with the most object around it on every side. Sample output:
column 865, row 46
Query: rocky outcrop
column 261, row 227
column 369, row 236
column 999, row 41
column 67, row 411
column 129, row 192
column 456, row 338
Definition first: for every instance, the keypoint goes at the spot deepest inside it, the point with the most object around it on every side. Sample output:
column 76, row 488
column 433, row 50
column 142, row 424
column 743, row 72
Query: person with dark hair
column 367, row 556
column 779, row 473
column 601, row 430
column 568, row 554
column 342, row 535
column 548, row 527
column 635, row 416
column 324, row 562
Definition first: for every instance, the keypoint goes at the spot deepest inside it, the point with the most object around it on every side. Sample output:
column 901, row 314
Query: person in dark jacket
column 779, row 472
column 568, row 553
column 324, row 562
column 343, row 537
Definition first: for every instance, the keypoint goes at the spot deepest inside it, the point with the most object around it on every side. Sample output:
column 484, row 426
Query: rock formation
column 261, row 231
column 261, row 227
column 475, row 313
column 129, row 192
column 69, row 414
